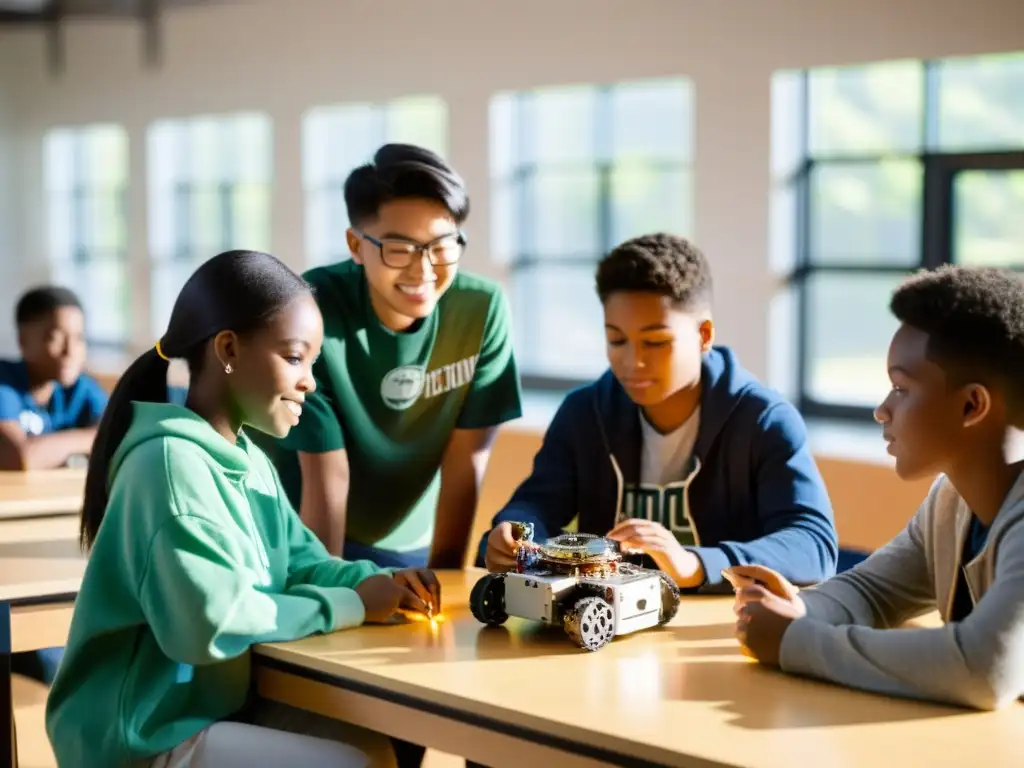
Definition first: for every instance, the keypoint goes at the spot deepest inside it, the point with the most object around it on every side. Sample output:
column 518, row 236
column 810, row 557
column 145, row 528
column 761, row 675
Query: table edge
column 21, row 508
column 654, row 757
column 36, row 592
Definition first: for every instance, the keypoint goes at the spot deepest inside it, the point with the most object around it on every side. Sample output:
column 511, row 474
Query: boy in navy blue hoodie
column 677, row 451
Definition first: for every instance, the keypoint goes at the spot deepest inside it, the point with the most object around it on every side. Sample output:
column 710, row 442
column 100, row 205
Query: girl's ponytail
column 146, row 380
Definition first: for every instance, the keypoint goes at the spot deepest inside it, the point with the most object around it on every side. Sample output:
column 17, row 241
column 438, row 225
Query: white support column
column 287, row 221
column 141, row 333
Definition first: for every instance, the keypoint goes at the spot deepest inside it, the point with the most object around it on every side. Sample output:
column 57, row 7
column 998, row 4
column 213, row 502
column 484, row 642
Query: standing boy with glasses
column 416, row 374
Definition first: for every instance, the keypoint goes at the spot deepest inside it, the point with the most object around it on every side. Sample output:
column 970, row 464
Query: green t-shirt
column 391, row 400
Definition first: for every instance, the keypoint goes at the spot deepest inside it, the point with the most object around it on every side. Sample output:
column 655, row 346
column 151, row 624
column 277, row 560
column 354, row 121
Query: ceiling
column 14, row 11
column 51, row 14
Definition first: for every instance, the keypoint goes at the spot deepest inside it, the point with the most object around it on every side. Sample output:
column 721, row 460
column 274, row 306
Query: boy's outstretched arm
column 978, row 662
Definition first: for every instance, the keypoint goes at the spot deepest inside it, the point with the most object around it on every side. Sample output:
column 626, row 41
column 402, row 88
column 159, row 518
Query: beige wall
column 9, row 235
column 283, row 57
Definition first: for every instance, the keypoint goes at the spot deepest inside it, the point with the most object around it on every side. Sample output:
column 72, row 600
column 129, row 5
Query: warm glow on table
column 681, row 691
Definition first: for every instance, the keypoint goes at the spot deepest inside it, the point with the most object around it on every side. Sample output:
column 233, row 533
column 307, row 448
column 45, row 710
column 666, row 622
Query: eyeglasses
column 399, row 254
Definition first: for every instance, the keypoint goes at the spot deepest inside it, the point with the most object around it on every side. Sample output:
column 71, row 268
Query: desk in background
column 681, row 695
column 44, row 492
column 41, row 569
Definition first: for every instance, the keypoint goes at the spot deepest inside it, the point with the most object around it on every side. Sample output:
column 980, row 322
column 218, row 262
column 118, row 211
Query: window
column 888, row 168
column 576, row 170
column 86, row 178
column 210, row 181
column 338, row 139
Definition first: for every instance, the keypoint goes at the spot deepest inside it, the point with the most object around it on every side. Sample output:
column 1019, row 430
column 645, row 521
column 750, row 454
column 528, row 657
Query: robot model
column 579, row 581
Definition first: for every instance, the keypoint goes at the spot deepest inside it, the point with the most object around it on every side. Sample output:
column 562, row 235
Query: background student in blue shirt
column 49, row 408
column 677, row 451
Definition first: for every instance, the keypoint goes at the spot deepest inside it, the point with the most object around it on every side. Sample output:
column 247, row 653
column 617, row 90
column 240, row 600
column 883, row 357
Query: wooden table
column 41, row 568
column 45, row 492
column 681, row 695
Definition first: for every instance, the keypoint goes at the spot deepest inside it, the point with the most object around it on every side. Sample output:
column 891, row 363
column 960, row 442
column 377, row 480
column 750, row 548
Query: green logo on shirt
column 452, row 376
column 666, row 505
column 401, row 386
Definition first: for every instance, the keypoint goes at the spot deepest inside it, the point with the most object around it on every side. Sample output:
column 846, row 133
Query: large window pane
column 503, row 126
column 558, row 125
column 787, row 153
column 60, row 229
column 105, row 224
column 85, row 170
column 106, row 161
column 210, row 191
column 205, row 149
column 848, row 334
column 166, row 281
column 872, row 109
column 209, row 228
column 506, row 232
column 652, row 119
column 872, row 131
column 210, row 185
column 248, row 142
column 649, row 198
column 981, row 103
column 327, row 223
column 249, row 220
column 102, row 285
column 419, row 120
column 562, row 297
column 866, row 213
column 337, row 139
column 565, row 213
column 574, row 171
column 988, row 224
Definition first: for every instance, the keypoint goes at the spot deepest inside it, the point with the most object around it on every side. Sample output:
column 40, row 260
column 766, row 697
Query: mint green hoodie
column 199, row 557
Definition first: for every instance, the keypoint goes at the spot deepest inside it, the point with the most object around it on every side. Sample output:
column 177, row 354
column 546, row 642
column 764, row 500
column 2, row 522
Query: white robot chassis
column 579, row 581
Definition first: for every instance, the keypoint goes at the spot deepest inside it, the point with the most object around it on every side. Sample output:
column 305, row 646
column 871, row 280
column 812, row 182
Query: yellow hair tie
column 160, row 352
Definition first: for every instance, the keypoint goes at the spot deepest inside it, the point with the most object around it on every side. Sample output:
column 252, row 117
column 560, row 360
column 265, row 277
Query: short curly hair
column 974, row 318
column 43, row 300
column 658, row 263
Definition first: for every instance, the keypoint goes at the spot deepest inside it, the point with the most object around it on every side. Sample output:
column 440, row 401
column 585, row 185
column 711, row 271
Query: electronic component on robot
column 580, row 582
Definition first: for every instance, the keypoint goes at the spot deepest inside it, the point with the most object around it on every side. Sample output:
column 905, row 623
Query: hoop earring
column 228, row 369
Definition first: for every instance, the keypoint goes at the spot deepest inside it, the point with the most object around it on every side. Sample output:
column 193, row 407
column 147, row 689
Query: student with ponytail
column 196, row 554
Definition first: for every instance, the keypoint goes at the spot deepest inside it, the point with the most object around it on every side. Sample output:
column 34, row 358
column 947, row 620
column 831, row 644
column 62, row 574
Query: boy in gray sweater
column 956, row 409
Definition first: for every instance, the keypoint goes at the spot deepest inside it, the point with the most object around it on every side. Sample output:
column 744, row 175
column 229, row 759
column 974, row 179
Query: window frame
column 81, row 255
column 939, row 170
column 517, row 182
column 334, row 185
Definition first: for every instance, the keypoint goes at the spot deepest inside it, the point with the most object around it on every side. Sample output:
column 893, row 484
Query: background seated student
column 48, row 408
column 196, row 554
column 416, row 374
column 956, row 408
column 677, row 451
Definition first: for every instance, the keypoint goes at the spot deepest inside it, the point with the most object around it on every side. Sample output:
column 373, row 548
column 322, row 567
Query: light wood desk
column 46, row 492
column 681, row 695
column 41, row 569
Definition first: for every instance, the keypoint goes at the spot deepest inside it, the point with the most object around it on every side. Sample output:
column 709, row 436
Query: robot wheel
column 487, row 600
column 669, row 599
column 590, row 623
